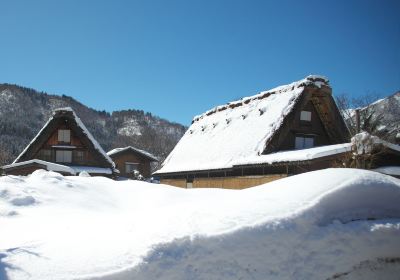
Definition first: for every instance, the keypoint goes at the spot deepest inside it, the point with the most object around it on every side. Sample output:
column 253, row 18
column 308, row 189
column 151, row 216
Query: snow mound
column 84, row 174
column 23, row 200
column 317, row 225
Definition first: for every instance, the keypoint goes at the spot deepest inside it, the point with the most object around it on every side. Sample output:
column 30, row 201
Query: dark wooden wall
column 298, row 127
column 88, row 158
column 130, row 156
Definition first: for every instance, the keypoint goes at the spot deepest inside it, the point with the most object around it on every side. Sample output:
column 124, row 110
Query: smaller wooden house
column 129, row 159
column 63, row 145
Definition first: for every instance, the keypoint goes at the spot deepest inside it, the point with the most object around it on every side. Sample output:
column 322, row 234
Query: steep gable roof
column 238, row 130
column 143, row 153
column 77, row 126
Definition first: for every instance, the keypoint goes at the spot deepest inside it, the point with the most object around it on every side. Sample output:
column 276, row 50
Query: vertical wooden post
column 358, row 121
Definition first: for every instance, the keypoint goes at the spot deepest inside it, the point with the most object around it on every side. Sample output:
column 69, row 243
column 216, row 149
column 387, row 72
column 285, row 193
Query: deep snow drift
column 341, row 223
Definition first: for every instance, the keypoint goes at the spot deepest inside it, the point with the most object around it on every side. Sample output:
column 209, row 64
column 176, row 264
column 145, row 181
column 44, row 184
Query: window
column 130, row 167
column 304, row 142
column 45, row 154
column 305, row 116
column 64, row 135
column 63, row 156
column 79, row 156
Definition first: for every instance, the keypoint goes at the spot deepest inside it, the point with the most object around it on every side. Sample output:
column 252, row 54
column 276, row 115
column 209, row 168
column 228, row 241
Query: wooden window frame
column 305, row 116
column 137, row 164
column 63, row 157
column 304, row 145
column 77, row 157
column 62, row 136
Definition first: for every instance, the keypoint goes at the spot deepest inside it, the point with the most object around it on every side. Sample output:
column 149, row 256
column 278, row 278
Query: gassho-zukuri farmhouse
column 284, row 131
column 65, row 145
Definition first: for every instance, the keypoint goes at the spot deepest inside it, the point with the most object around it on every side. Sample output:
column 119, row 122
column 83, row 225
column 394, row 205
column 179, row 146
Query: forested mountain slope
column 23, row 112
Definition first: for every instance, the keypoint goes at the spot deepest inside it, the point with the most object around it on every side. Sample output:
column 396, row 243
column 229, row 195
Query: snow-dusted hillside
column 381, row 117
column 24, row 111
column 334, row 223
column 388, row 110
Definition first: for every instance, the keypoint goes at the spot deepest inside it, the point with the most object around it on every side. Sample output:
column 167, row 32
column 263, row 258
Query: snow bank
column 312, row 226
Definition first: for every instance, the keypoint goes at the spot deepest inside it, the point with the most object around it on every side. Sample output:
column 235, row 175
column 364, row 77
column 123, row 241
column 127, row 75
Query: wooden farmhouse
column 129, row 159
column 64, row 145
column 283, row 131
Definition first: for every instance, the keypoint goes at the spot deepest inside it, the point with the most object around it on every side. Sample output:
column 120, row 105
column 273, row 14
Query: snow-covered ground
column 328, row 224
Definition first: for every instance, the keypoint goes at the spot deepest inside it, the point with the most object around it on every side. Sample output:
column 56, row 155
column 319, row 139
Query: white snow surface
column 364, row 143
column 297, row 155
column 130, row 128
column 224, row 134
column 309, row 226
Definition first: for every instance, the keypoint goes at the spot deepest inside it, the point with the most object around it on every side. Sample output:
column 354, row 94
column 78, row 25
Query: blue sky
column 177, row 59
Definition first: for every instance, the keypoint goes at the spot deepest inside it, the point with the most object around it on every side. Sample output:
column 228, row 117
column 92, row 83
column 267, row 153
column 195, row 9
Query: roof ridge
column 316, row 80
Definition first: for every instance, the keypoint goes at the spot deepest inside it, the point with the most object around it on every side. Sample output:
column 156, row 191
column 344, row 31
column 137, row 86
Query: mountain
column 23, row 112
column 382, row 118
column 388, row 110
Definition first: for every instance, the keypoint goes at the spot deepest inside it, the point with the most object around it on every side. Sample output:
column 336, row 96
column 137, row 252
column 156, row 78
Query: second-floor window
column 64, row 136
column 305, row 116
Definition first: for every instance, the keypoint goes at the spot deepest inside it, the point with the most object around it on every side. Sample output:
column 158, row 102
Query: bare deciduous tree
column 370, row 118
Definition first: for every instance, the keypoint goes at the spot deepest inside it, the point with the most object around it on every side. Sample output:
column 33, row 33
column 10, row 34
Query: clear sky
column 178, row 59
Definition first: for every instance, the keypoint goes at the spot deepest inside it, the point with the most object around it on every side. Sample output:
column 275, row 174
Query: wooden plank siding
column 239, row 182
column 181, row 183
column 76, row 145
column 121, row 158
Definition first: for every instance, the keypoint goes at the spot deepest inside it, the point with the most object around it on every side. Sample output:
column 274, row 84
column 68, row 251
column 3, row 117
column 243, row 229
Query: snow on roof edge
column 388, row 170
column 50, row 165
column 143, row 152
column 297, row 155
column 281, row 156
column 92, row 139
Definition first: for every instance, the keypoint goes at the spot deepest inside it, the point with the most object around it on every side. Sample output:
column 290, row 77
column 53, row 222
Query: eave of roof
column 139, row 151
column 51, row 166
column 278, row 158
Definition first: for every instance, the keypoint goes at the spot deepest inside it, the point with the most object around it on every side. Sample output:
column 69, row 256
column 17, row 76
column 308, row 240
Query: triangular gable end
column 331, row 128
column 66, row 117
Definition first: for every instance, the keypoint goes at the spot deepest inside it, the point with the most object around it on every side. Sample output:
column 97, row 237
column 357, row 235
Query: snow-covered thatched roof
column 238, row 130
column 65, row 112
